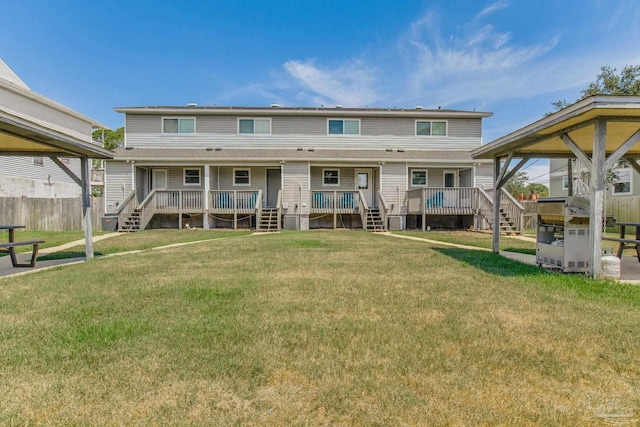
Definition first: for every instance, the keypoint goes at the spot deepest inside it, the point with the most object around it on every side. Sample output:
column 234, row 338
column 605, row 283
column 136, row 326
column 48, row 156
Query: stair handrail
column 126, row 207
column 514, row 209
column 364, row 208
column 279, row 206
column 382, row 203
column 147, row 209
column 485, row 206
column 258, row 209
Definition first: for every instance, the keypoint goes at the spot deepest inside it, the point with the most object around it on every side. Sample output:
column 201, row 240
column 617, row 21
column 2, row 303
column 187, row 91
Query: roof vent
column 275, row 105
column 339, row 106
column 419, row 107
column 192, row 104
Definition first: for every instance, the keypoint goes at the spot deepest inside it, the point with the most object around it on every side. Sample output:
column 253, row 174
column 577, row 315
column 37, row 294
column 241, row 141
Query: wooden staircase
column 268, row 220
column 506, row 224
column 131, row 223
column 373, row 221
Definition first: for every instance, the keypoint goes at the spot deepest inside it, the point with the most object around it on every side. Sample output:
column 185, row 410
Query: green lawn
column 315, row 328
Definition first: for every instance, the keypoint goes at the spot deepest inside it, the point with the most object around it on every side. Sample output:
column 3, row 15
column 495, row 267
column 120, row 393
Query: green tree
column 536, row 188
column 112, row 138
column 517, row 184
column 608, row 82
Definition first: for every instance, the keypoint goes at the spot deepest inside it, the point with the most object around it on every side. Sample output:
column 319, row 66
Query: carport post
column 496, row 204
column 86, row 207
column 597, row 195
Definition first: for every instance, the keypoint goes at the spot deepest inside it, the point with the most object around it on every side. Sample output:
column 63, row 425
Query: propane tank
column 610, row 267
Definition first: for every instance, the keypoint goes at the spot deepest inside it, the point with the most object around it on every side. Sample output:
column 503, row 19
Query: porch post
column 205, row 205
column 335, row 214
column 180, row 209
column 86, row 206
column 423, row 203
column 235, row 210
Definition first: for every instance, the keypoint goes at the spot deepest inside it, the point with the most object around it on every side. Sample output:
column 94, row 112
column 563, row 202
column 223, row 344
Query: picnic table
column 11, row 245
column 623, row 241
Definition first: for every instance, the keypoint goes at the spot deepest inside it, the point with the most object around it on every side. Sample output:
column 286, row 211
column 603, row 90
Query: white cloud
column 351, row 84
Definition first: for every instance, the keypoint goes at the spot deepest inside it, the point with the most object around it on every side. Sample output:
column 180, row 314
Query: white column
column 207, row 189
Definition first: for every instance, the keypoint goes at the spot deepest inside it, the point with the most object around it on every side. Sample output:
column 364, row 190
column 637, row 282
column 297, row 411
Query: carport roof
column 543, row 138
column 32, row 135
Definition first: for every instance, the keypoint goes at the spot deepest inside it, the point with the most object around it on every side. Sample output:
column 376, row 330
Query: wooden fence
column 49, row 214
column 623, row 208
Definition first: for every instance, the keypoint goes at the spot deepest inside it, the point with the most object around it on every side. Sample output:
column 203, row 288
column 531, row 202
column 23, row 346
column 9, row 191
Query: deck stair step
column 131, row 222
column 373, row 221
column 268, row 220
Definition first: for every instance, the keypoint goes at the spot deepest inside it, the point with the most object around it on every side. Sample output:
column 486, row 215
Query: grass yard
column 146, row 239
column 316, row 328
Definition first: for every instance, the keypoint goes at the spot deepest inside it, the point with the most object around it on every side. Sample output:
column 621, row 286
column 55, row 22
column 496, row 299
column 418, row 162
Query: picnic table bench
column 623, row 241
column 11, row 245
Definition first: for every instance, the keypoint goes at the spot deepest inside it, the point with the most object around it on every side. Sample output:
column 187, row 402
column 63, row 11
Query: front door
column 159, row 179
column 364, row 183
column 274, row 185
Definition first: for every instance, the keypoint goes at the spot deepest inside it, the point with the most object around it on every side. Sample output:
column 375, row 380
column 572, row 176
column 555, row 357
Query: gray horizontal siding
column 258, row 179
column 312, row 126
column 394, row 185
column 299, row 126
column 484, row 176
column 118, row 185
column 33, row 110
column 142, row 124
column 347, row 179
column 156, row 140
column 296, row 187
column 23, row 166
column 175, row 179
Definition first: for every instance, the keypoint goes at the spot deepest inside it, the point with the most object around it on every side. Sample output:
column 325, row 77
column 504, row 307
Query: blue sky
column 512, row 58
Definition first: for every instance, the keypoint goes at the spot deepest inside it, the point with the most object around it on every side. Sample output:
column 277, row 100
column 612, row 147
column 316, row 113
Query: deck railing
column 178, row 201
column 335, row 202
column 442, row 201
column 234, row 202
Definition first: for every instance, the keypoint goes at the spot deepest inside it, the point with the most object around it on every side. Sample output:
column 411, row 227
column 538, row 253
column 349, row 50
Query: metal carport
column 32, row 125
column 598, row 130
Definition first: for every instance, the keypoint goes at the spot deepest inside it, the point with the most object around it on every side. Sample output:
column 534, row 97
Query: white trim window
column 565, row 182
column 242, row 177
column 191, row 176
column 254, row 126
column 178, row 125
column 330, row 177
column 38, row 161
column 419, row 178
column 431, row 128
column 343, row 127
column 622, row 182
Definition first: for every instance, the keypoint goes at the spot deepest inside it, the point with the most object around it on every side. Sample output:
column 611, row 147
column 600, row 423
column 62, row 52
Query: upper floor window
column 38, row 161
column 331, row 177
column 622, row 182
column 192, row 176
column 431, row 128
column 255, row 126
column 418, row 178
column 565, row 182
column 178, row 125
column 344, row 127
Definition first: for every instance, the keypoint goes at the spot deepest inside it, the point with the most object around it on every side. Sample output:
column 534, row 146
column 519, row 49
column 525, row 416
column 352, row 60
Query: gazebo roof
column 543, row 138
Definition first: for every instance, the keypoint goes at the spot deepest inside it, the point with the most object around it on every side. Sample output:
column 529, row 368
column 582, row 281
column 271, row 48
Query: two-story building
column 300, row 168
